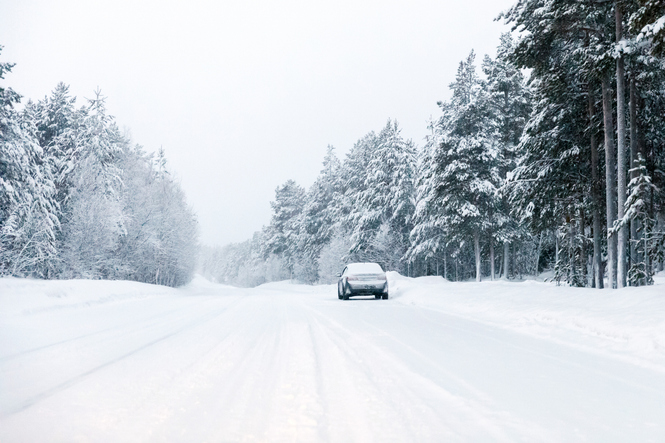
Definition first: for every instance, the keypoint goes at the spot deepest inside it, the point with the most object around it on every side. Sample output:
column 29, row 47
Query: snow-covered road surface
column 121, row 361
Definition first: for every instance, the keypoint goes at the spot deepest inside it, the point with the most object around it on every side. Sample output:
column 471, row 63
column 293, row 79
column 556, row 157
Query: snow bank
column 26, row 296
column 628, row 323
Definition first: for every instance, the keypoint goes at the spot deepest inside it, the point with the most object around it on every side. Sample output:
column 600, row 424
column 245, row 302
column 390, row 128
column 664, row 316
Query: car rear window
column 365, row 268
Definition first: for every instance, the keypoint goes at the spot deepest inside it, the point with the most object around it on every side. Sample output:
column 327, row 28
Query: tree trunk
column 571, row 249
column 540, row 244
column 500, row 273
column 491, row 258
column 476, row 246
column 583, row 257
column 506, row 259
column 445, row 267
column 610, row 180
column 634, row 223
column 556, row 246
column 595, row 196
column 622, row 238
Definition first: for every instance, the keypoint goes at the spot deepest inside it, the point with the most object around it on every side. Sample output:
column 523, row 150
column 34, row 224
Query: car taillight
column 382, row 277
column 352, row 277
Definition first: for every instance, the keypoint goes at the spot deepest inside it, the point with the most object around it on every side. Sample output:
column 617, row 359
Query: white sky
column 244, row 95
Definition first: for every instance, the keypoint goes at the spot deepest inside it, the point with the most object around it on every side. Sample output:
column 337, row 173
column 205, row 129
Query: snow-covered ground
column 439, row 361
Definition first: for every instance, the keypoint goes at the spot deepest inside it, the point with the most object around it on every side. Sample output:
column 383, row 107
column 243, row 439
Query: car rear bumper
column 374, row 287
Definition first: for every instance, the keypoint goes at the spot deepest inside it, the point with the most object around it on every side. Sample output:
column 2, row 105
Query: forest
column 549, row 156
column 77, row 200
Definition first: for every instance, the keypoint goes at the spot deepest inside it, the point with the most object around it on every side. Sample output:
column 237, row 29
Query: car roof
column 364, row 268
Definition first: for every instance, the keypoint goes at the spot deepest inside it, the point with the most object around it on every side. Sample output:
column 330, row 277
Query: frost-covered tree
column 509, row 101
column 381, row 215
column 466, row 170
column 428, row 236
column 586, row 50
column 317, row 221
column 159, row 239
column 28, row 209
column 649, row 241
column 77, row 202
column 92, row 215
column 282, row 235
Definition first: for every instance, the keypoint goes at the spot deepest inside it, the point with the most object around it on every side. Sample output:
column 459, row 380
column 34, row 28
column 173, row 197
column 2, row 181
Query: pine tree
column 383, row 208
column 282, row 235
column 510, row 105
column 28, row 210
column 428, row 237
column 317, row 220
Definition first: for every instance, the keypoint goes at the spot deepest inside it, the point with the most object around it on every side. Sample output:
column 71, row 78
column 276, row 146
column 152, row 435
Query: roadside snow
column 628, row 324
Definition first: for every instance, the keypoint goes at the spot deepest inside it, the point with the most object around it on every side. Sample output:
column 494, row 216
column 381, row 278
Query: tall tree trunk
column 634, row 223
column 556, row 246
column 622, row 238
column 506, row 259
column 476, row 246
column 445, row 265
column 540, row 244
column 491, row 258
column 583, row 257
column 500, row 273
column 595, row 196
column 610, row 180
column 571, row 249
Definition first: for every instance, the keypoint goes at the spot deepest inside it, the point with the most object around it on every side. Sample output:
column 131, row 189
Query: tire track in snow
column 595, row 373
column 82, row 376
column 472, row 411
column 93, row 334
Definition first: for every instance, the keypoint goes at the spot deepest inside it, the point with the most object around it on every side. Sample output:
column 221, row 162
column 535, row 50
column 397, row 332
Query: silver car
column 362, row 279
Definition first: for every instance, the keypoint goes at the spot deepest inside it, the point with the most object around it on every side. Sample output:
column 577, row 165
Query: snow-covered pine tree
column 317, row 220
column 569, row 47
column 92, row 215
column 466, row 161
column 647, row 74
column 384, row 207
column 57, row 124
column 647, row 23
column 428, row 238
column 28, row 209
column 353, row 176
column 649, row 240
column 509, row 100
column 282, row 235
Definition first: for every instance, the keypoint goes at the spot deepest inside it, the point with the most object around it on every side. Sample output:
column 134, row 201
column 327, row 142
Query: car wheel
column 385, row 296
column 339, row 291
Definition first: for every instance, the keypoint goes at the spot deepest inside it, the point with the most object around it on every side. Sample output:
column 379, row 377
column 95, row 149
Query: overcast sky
column 244, row 95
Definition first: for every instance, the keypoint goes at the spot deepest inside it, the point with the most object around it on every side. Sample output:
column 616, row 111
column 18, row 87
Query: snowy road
column 119, row 361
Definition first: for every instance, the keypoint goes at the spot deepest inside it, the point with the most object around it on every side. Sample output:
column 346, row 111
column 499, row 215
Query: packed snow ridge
column 438, row 361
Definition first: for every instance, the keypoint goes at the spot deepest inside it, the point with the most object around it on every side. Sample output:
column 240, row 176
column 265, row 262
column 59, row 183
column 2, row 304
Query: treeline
column 562, row 170
column 78, row 201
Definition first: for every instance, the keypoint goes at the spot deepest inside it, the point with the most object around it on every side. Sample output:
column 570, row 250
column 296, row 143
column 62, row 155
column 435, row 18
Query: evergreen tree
column 317, row 220
column 510, row 104
column 282, row 235
column 466, row 161
column 28, row 210
column 384, row 207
